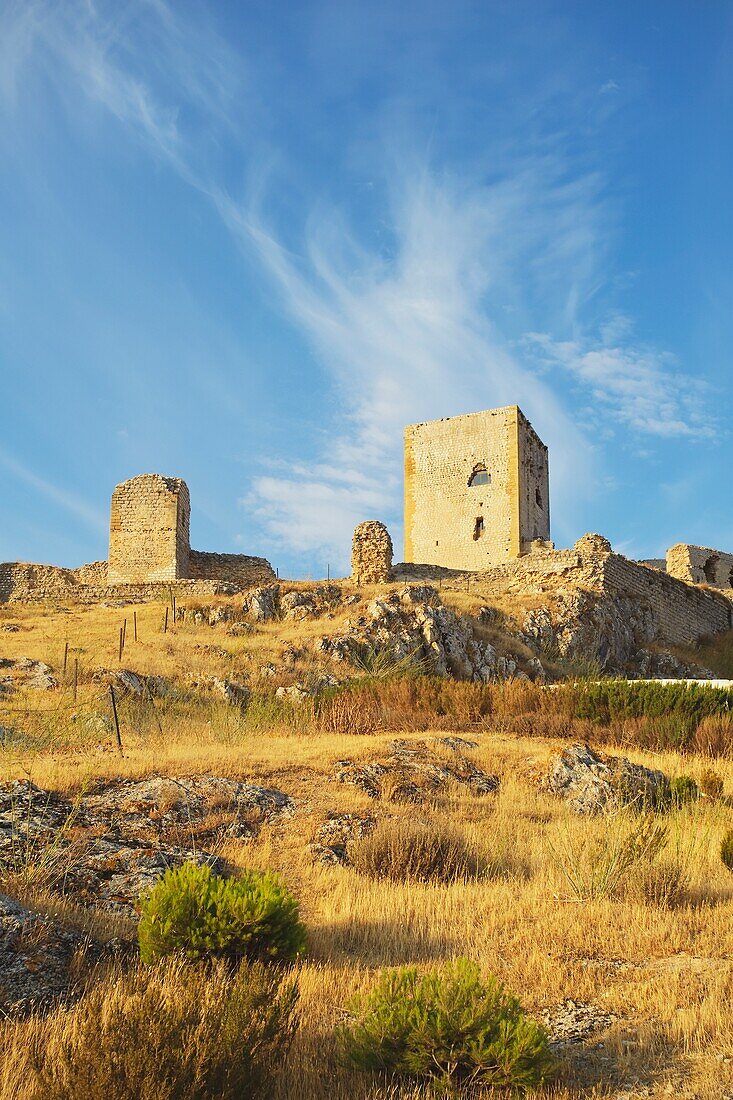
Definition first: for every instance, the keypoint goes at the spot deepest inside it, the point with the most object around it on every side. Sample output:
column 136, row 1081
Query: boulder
column 263, row 604
column 594, row 783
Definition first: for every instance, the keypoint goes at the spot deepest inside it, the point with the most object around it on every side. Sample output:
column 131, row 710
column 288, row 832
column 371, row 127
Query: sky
column 245, row 244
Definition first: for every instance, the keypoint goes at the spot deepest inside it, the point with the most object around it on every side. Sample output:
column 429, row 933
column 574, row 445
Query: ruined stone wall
column 239, row 569
column 609, row 600
column 700, row 565
column 680, row 613
column 19, row 578
column 21, row 582
column 471, row 489
column 371, row 553
column 149, row 530
column 93, row 573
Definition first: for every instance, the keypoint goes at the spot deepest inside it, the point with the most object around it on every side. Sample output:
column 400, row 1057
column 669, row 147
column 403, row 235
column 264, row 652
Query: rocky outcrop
column 371, row 553
column 36, row 959
column 593, row 783
column 110, row 844
column 412, row 624
column 412, row 771
column 27, row 673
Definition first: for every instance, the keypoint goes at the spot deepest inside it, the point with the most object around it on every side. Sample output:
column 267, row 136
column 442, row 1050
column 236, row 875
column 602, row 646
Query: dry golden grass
column 661, row 965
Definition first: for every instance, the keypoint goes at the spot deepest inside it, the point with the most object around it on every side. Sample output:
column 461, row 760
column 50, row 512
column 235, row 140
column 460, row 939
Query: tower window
column 478, row 528
column 538, row 497
column 480, row 476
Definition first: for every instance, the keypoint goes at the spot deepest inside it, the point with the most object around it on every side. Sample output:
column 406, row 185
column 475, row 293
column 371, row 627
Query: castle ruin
column 149, row 553
column 476, row 490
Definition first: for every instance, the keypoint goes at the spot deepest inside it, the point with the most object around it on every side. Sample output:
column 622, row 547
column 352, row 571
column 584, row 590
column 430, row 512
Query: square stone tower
column 476, row 489
column 149, row 530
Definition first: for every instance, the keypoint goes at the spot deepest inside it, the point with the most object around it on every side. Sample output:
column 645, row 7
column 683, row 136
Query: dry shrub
column 711, row 784
column 414, row 851
column 664, row 883
column 714, row 736
column 175, row 1032
column 351, row 713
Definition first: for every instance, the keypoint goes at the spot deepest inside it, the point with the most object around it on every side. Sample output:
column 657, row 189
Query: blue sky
column 246, row 243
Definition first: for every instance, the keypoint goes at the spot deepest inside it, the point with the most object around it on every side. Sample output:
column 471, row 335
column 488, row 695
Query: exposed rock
column 231, row 691
column 298, row 693
column 330, row 844
column 311, row 602
column 10, row 628
column 263, row 604
column 411, row 772
column 412, row 624
column 127, row 682
column 371, row 553
column 110, row 844
column 36, row 957
column 240, row 630
column 575, row 1021
column 593, row 783
column 25, row 672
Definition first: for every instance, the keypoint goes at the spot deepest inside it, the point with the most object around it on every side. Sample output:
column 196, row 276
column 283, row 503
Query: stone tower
column 476, row 489
column 149, row 530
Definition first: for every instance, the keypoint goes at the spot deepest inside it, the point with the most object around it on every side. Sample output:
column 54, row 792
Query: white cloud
column 640, row 387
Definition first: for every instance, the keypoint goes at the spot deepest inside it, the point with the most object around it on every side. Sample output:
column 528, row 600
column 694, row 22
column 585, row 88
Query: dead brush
column 156, row 1034
column 414, row 851
column 350, row 713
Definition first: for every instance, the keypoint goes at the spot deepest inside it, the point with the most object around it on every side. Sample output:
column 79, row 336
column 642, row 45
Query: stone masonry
column 148, row 530
column 149, row 554
column 476, row 490
column 371, row 553
column 700, row 565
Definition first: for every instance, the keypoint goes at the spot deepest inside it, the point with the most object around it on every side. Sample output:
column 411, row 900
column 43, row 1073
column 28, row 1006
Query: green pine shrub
column 683, row 789
column 726, row 849
column 173, row 1032
column 201, row 915
column 449, row 1026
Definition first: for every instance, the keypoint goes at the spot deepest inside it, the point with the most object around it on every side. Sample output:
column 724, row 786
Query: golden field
column 657, row 968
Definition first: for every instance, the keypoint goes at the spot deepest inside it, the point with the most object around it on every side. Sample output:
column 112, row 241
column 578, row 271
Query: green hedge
column 613, row 700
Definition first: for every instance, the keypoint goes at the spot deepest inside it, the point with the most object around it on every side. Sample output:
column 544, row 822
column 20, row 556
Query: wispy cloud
column 70, row 502
column 639, row 387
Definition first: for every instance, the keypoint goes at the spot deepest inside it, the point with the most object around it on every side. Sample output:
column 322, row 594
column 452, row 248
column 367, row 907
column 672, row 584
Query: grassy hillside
column 647, row 967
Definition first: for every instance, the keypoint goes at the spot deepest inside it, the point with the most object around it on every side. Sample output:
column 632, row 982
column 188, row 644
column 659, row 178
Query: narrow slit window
column 478, row 528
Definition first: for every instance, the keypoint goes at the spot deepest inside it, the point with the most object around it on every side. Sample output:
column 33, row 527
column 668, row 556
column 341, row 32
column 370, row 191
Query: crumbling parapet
column 593, row 544
column 371, row 553
column 701, row 565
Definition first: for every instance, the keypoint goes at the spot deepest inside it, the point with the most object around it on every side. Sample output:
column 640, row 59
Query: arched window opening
column 480, row 476
column 478, row 528
column 710, row 568
column 538, row 497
